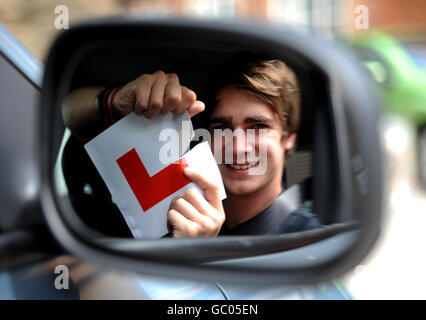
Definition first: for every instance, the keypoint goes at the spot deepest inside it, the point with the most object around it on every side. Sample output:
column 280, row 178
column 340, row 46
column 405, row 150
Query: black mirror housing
column 341, row 128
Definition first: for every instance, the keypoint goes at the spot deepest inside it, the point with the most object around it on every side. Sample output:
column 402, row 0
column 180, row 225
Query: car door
column 28, row 263
column 22, row 228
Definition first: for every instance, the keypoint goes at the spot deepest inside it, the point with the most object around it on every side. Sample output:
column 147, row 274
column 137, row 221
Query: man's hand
column 192, row 215
column 155, row 93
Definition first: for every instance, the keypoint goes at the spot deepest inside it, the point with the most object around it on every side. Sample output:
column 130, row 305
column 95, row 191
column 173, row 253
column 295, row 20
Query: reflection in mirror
column 127, row 123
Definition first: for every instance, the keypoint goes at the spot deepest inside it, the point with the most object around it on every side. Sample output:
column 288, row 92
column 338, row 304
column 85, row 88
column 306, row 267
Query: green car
column 399, row 68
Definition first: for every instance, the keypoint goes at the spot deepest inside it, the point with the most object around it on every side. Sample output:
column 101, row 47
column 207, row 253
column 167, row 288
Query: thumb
column 211, row 190
column 196, row 108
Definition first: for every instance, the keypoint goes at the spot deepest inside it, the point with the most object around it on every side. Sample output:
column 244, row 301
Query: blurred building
column 322, row 16
column 399, row 18
column 33, row 21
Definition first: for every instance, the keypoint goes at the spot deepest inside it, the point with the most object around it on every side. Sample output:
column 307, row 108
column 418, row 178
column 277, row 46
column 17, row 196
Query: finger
column 186, row 209
column 143, row 91
column 173, row 94
column 211, row 190
column 178, row 225
column 196, row 199
column 188, row 99
column 156, row 98
column 196, row 108
column 125, row 99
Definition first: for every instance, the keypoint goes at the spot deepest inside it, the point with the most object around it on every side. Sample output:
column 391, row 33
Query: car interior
column 311, row 165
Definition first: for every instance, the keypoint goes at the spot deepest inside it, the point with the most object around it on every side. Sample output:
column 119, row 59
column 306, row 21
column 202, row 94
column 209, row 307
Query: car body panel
column 20, row 57
column 399, row 68
column 20, row 92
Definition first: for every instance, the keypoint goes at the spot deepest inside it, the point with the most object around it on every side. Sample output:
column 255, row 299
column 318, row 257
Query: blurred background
column 32, row 22
column 388, row 37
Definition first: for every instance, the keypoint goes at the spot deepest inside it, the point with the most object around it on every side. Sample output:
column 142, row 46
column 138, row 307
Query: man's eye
column 260, row 126
column 219, row 127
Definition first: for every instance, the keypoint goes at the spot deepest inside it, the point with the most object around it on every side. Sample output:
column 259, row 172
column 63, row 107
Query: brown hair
column 270, row 80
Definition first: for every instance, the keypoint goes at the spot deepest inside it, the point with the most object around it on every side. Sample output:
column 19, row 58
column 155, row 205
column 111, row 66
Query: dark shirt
column 276, row 219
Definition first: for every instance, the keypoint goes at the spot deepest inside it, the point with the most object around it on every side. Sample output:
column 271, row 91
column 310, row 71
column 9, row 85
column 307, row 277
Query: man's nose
column 241, row 144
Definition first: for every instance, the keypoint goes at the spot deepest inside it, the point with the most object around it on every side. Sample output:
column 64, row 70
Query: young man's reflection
column 249, row 91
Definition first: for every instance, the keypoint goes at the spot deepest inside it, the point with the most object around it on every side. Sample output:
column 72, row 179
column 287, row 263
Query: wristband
column 101, row 100
column 104, row 103
column 112, row 95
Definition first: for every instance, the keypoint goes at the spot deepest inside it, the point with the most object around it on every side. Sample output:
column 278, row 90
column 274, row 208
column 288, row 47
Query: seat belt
column 290, row 199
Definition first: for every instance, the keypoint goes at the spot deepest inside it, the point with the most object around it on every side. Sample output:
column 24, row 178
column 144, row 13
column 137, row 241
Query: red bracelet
column 112, row 95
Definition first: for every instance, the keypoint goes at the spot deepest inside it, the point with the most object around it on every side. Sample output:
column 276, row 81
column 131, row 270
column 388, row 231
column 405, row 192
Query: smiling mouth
column 243, row 166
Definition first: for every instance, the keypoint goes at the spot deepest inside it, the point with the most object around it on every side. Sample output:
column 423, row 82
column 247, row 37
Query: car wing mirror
column 337, row 163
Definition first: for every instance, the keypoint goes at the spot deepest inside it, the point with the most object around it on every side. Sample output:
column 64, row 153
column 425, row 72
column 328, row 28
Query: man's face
column 240, row 109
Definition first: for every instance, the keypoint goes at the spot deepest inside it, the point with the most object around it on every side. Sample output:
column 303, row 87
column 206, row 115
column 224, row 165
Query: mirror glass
column 261, row 126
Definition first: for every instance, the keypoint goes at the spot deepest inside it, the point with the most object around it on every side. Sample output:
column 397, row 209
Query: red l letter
column 151, row 190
